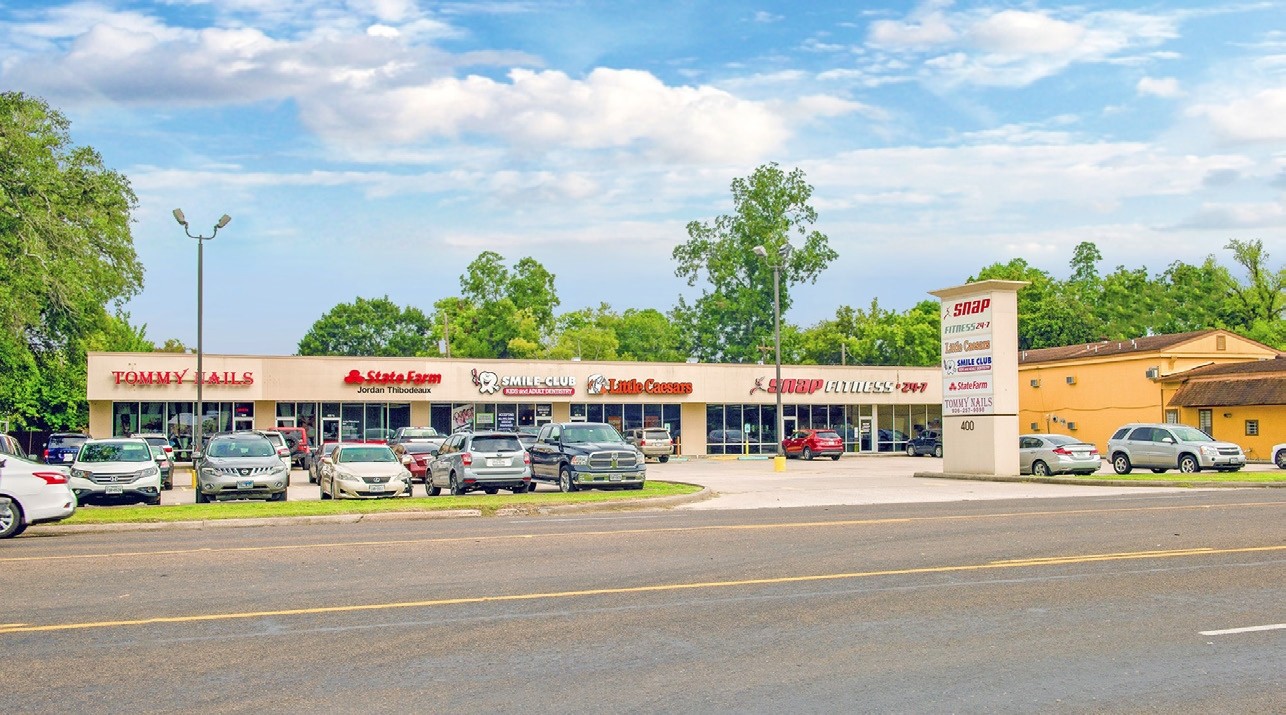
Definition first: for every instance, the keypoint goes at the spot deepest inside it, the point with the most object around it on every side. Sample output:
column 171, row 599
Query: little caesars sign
column 967, row 381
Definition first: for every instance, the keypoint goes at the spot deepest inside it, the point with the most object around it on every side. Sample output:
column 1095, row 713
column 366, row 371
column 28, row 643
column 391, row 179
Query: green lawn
column 488, row 504
column 1147, row 476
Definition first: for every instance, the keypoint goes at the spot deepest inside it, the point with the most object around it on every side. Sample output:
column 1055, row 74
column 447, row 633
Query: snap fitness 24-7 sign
column 807, row 386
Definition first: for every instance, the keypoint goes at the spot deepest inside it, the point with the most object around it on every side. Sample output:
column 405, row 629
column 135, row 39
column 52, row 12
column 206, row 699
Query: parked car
column 1161, row 447
column 240, row 465
column 1046, row 454
column 925, row 443
column 32, row 493
column 315, row 461
column 416, row 457
column 160, row 442
column 583, row 455
column 117, row 469
column 10, row 445
column 278, row 441
column 1279, row 455
column 363, row 471
column 489, row 461
column 429, row 435
column 809, row 443
column 651, row 441
column 377, row 435
column 297, row 440
column 62, row 447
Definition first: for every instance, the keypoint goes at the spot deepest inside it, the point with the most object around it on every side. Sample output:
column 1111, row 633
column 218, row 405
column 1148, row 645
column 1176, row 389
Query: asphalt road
column 1107, row 603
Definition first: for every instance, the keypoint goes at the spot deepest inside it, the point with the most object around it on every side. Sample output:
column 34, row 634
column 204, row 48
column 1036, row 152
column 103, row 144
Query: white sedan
column 1279, row 455
column 31, row 493
column 363, row 471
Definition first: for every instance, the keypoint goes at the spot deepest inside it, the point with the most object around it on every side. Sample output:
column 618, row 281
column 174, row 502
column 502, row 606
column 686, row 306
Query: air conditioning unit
column 1153, row 373
column 1071, row 380
column 1035, row 383
column 1071, row 425
column 1034, row 427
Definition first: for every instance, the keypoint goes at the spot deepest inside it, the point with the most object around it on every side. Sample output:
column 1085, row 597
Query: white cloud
column 1014, row 32
column 1258, row 117
column 927, row 26
column 1164, row 87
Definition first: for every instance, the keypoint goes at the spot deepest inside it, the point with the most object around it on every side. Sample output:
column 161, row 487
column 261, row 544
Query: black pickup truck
column 584, row 455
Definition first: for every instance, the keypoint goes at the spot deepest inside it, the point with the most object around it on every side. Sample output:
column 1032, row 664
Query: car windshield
column 1191, row 434
column 423, row 433
column 591, row 433
column 497, row 443
column 158, row 441
column 655, row 434
column 348, row 455
column 827, row 435
column 116, row 452
column 242, row 447
column 420, row 448
column 66, row 440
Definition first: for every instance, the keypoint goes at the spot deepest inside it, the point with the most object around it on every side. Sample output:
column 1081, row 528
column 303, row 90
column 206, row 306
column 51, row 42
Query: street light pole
column 779, row 461
column 200, row 296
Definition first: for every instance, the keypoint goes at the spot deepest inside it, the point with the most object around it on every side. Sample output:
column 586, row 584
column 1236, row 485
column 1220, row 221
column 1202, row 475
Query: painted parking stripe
column 1248, row 629
column 657, row 588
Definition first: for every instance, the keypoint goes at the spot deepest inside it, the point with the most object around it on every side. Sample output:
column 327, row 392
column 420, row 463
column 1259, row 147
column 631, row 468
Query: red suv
column 809, row 443
column 297, row 441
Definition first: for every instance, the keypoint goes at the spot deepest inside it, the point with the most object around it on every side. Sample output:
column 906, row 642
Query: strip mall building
column 708, row 408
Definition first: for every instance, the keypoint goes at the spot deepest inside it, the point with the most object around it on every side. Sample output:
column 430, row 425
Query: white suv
column 116, row 469
column 1161, row 447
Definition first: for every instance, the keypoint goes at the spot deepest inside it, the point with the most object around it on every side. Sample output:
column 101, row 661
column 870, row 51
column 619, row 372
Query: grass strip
column 487, row 503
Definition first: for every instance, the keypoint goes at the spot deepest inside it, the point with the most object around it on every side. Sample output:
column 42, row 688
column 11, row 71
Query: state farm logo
column 376, row 377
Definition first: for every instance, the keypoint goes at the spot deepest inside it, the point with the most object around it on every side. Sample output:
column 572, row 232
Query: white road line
column 1248, row 629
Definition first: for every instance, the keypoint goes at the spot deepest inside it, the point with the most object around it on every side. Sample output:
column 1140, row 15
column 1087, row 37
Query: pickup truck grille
column 613, row 460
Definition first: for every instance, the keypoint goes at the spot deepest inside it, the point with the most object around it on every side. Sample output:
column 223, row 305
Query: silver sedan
column 1046, row 454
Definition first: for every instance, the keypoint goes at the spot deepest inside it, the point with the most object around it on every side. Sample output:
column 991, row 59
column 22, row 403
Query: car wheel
column 532, row 486
column 324, row 494
column 1040, row 469
column 429, row 488
column 808, row 454
column 491, row 490
column 1280, row 459
column 664, row 458
column 937, row 451
column 168, row 484
column 283, row 496
column 835, row 457
column 457, row 489
column 11, row 520
column 1121, row 464
column 201, row 498
column 565, row 483
column 1188, row 464
column 312, row 478
column 153, row 501
column 910, row 450
column 1159, row 471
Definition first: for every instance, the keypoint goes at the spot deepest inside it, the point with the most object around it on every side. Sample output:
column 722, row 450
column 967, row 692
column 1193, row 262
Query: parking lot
column 752, row 483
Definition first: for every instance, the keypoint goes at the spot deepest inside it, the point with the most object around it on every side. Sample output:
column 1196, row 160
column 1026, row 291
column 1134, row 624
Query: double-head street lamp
column 200, row 376
column 783, row 253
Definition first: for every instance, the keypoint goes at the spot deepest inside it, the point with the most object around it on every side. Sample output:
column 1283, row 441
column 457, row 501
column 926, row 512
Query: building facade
column 1237, row 402
column 709, row 408
column 1088, row 390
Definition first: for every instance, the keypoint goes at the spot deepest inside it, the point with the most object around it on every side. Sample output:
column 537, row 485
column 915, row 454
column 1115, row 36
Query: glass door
column 329, row 429
column 864, row 434
column 242, row 423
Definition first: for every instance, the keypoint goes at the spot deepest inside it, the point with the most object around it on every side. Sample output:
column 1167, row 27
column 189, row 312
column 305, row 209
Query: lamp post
column 200, row 292
column 783, row 253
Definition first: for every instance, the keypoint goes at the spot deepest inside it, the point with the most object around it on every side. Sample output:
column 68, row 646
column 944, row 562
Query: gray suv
column 241, row 465
column 1161, row 447
column 489, row 461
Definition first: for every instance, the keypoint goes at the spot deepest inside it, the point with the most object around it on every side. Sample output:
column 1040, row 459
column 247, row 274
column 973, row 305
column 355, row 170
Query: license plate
column 114, row 490
column 246, row 484
column 66, row 457
column 614, row 478
column 500, row 462
column 376, row 488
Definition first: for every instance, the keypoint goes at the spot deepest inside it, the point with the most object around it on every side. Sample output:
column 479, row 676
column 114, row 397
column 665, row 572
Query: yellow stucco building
column 1214, row 380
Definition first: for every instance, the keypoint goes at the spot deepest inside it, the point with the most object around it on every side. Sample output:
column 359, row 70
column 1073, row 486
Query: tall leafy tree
column 733, row 316
column 1258, row 306
column 66, row 254
column 501, row 313
column 375, row 327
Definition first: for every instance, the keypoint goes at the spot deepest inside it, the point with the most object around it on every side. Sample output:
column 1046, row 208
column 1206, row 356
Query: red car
column 809, row 443
column 415, row 457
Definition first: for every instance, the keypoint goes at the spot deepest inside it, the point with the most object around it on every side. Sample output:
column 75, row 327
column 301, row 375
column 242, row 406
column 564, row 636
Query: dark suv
column 576, row 455
column 927, row 442
column 63, row 446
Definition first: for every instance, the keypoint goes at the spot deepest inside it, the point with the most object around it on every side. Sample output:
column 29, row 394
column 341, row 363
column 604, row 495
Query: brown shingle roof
column 1231, row 393
column 1233, row 368
column 1108, row 347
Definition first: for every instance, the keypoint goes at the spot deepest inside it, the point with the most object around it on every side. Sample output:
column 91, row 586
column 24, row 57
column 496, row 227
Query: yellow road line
column 626, row 532
column 1045, row 561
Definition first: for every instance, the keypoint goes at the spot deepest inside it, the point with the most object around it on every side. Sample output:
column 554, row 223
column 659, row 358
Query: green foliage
column 733, row 316
column 375, row 327
column 875, row 337
column 500, row 313
column 67, row 254
column 172, row 345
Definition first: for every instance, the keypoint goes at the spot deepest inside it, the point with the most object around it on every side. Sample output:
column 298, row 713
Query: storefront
column 708, row 408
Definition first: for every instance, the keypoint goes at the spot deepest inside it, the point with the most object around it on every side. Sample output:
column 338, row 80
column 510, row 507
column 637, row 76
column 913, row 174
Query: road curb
column 1095, row 483
column 621, row 505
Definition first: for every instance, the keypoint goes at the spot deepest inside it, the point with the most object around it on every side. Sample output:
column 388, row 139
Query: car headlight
column 147, row 472
column 1209, row 451
column 346, row 476
column 580, row 460
column 280, row 468
column 82, row 474
column 209, row 472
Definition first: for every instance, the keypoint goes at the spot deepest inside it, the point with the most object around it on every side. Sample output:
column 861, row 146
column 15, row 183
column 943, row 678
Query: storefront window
column 124, row 419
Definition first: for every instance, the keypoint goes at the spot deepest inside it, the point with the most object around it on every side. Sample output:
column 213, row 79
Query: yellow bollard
column 779, row 463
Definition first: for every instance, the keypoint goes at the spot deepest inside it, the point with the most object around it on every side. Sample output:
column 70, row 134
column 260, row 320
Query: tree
column 66, row 254
column 734, row 314
column 1049, row 314
column 646, row 335
column 500, row 313
column 172, row 345
column 1257, row 307
column 375, row 327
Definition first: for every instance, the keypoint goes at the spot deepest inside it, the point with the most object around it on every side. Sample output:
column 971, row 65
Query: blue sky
column 375, row 147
